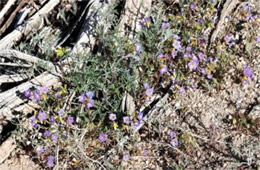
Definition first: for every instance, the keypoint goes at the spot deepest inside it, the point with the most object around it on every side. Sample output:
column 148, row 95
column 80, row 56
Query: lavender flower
column 102, row 137
column 137, row 124
column 189, row 49
column 193, row 6
column 70, row 120
column 177, row 45
column 44, row 89
column 227, row 38
column 34, row 122
column 174, row 142
column 175, row 36
column 50, row 163
column 201, row 55
column 47, row 133
column 140, row 116
column 149, row 92
column 126, row 120
column 165, row 25
column 112, row 116
column 164, row 69
column 258, row 39
column 27, row 93
column 194, row 63
column 51, row 157
column 126, row 157
column 58, row 95
column 248, row 72
column 61, row 112
column 210, row 76
column 87, row 99
column 52, row 119
column 42, row 116
column 172, row 134
column 54, row 137
column 181, row 90
column 146, row 85
column 137, row 48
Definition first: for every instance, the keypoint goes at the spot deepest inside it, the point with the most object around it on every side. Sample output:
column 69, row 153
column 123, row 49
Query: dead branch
column 5, row 10
column 34, row 24
column 228, row 7
column 49, row 66
column 13, row 78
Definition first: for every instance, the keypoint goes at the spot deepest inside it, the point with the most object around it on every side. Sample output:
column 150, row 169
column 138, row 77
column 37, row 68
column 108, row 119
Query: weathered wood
column 93, row 20
column 228, row 7
column 34, row 24
column 133, row 14
column 15, row 65
column 12, row 98
column 7, row 148
column 49, row 66
column 13, row 78
column 5, row 10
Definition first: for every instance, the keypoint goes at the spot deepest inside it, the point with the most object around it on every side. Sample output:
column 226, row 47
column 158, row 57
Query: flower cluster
column 38, row 94
column 174, row 141
column 87, row 99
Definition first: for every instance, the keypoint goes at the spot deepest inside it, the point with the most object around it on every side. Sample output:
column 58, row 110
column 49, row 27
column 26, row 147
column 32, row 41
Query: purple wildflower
column 172, row 134
column 140, row 116
column 27, row 93
column 258, row 39
column 47, row 133
column 36, row 95
column 164, row 69
column 126, row 157
column 34, row 122
column 147, row 21
column 146, row 85
column 44, row 89
column 227, row 38
column 126, row 120
column 137, row 48
column 193, row 6
column 149, row 92
column 61, row 112
column 193, row 86
column 54, row 137
column 210, row 76
column 137, row 124
column 201, row 55
column 41, row 116
column 90, row 94
column 87, row 99
column 203, row 71
column 102, row 137
column 181, row 90
column 58, row 95
column 51, row 157
column 174, row 142
column 248, row 72
column 175, row 36
column 177, row 45
column 50, row 163
column 82, row 98
column 112, row 116
column 193, row 64
column 165, row 25
column 70, row 120
column 189, row 49
column 52, row 119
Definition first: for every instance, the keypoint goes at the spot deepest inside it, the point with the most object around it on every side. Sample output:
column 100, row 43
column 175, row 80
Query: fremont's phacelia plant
column 70, row 120
column 41, row 116
column 126, row 120
column 86, row 98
